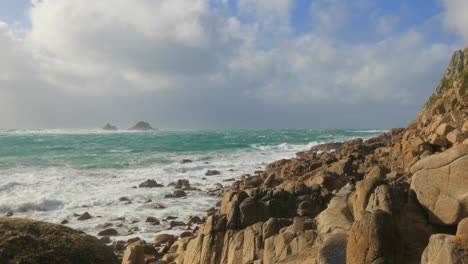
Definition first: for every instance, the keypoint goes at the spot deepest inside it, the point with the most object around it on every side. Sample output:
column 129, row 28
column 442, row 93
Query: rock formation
column 28, row 241
column 142, row 126
column 110, row 127
column 395, row 198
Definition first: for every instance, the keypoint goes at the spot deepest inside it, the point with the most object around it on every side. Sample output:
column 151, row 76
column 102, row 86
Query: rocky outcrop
column 110, row 127
column 374, row 201
column 142, row 126
column 28, row 241
column 444, row 248
column 441, row 183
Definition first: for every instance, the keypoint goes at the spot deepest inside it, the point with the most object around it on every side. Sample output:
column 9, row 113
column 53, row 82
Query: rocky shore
column 401, row 197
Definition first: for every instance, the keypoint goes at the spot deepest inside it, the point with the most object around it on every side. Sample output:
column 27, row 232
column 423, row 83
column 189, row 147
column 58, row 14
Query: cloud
column 455, row 16
column 270, row 15
column 185, row 64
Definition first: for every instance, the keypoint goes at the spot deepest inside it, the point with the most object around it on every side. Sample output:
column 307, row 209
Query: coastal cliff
column 396, row 198
column 401, row 197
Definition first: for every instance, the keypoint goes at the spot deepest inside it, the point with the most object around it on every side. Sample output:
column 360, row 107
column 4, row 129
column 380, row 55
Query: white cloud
column 271, row 15
column 181, row 63
column 455, row 16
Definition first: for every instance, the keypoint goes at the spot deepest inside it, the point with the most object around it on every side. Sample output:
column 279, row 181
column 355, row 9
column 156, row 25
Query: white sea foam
column 53, row 194
column 56, row 193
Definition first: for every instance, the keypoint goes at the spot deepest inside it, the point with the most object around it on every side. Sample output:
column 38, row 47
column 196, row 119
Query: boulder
column 150, row 184
column 444, row 129
column 440, row 182
column 176, row 194
column 462, row 228
column 28, row 241
column 84, row 216
column 142, row 126
column 447, row 249
column 333, row 250
column 152, row 220
column 212, row 172
column 134, row 254
column 371, row 240
column 162, row 239
column 337, row 218
column 457, row 137
column 108, row 232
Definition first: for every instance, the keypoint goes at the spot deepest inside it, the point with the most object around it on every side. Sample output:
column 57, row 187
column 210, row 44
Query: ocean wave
column 285, row 147
column 371, row 131
column 43, row 205
column 8, row 186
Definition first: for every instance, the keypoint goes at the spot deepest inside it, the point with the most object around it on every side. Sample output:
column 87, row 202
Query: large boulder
column 371, row 240
column 441, row 183
column 28, row 241
column 447, row 249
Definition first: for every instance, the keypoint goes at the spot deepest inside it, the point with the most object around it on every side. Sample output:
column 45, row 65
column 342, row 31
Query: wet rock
column 170, row 217
column 124, row 199
column 152, row 220
column 84, row 216
column 9, row 213
column 157, row 206
column 212, row 173
column 186, row 161
column 195, row 220
column 105, row 239
column 108, row 232
column 176, row 194
column 176, row 223
column 150, row 184
column 163, row 238
column 64, row 222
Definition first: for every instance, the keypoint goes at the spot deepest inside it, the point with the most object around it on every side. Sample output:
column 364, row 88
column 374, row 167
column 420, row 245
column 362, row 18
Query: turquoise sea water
column 51, row 174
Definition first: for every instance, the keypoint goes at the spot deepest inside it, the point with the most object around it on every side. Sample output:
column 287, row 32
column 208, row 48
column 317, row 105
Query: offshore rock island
column 401, row 197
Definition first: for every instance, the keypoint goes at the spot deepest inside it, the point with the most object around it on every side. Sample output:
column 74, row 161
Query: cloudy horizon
column 188, row 64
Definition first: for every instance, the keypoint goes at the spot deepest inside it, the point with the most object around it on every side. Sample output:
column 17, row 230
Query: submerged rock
column 142, row 126
column 28, row 241
column 150, row 184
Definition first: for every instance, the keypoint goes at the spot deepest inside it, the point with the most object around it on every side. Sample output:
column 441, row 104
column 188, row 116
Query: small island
column 110, row 127
column 143, row 126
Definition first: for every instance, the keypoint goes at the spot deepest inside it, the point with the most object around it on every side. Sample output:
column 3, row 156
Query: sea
column 55, row 175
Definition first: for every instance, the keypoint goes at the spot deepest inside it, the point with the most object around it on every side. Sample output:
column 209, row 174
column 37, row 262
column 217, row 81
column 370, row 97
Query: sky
column 223, row 64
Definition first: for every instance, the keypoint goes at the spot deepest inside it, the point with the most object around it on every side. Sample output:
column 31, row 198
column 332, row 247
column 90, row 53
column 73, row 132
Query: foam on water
column 67, row 174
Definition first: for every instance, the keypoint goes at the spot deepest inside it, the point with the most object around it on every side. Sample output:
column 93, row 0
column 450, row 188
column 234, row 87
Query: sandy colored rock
column 440, row 183
column 371, row 239
column 462, row 227
column 444, row 129
column 457, row 137
column 134, row 254
column 162, row 238
column 447, row 249
column 337, row 217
